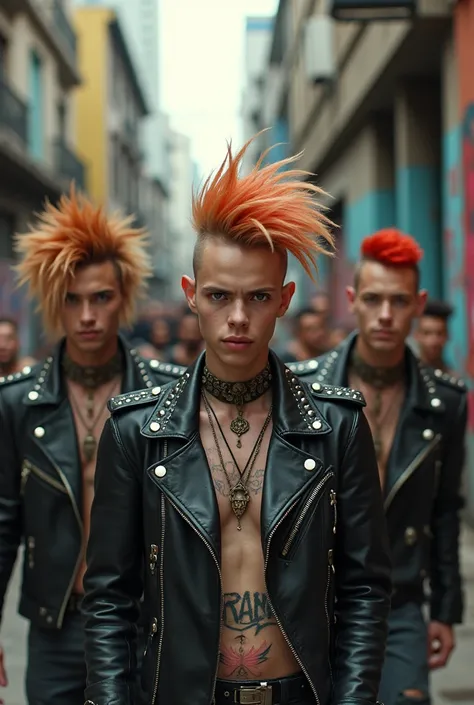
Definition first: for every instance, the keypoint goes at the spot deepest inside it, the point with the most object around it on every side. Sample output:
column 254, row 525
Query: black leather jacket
column 422, row 491
column 323, row 536
column 41, row 481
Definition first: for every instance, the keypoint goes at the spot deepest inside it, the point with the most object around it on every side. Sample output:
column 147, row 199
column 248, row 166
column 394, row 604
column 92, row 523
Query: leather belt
column 282, row 691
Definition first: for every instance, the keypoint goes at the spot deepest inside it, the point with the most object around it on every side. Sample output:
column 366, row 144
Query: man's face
column 385, row 304
column 9, row 343
column 238, row 296
column 312, row 331
column 92, row 307
column 432, row 336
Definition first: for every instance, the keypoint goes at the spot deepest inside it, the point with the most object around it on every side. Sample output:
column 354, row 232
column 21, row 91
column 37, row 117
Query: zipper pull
column 25, row 473
column 331, row 560
column 333, row 499
column 153, row 558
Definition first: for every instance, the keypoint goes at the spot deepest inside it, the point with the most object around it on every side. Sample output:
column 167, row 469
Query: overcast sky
column 202, row 70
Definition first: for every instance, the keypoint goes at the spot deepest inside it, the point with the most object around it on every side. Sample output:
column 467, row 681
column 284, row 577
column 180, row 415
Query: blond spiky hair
column 76, row 233
column 271, row 205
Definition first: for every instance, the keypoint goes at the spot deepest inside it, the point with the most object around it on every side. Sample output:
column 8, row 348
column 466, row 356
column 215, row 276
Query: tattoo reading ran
column 248, row 611
column 242, row 662
column 254, row 484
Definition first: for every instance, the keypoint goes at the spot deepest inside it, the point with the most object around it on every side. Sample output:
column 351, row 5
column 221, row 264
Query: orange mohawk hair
column 265, row 207
column 392, row 247
column 72, row 234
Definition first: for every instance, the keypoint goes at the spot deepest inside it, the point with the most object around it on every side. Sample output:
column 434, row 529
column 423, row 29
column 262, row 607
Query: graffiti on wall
column 468, row 174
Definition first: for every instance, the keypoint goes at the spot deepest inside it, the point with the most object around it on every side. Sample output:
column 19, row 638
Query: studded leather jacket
column 41, row 481
column 422, row 489
column 323, row 537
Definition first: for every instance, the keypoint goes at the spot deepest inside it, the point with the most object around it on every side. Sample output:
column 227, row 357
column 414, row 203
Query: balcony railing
column 65, row 29
column 13, row 111
column 68, row 165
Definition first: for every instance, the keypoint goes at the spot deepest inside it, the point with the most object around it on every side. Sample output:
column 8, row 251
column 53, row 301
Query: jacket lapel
column 184, row 475
column 55, row 435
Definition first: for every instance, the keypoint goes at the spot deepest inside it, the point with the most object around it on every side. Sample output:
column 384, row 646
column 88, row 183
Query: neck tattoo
column 239, row 394
column 91, row 378
column 380, row 378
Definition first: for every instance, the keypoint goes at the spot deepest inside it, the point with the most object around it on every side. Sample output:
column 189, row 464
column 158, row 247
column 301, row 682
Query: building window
column 36, row 111
column 62, row 121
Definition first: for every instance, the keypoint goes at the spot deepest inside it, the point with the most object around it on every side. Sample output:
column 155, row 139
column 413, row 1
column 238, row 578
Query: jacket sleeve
column 446, row 588
column 113, row 581
column 363, row 574
column 10, row 499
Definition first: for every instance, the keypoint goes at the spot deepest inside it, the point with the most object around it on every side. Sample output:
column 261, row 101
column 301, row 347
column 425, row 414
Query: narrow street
column 452, row 686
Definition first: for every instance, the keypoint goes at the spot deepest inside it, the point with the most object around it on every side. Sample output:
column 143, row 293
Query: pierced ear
column 188, row 285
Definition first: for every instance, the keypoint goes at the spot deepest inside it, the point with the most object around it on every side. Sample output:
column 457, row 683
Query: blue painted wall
column 453, row 246
column 36, row 107
column 418, row 213
column 373, row 211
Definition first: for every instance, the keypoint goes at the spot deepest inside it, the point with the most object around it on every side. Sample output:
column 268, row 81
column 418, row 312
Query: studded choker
column 379, row 377
column 92, row 376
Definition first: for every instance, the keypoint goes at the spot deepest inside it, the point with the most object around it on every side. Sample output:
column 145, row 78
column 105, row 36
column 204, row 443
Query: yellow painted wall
column 91, row 24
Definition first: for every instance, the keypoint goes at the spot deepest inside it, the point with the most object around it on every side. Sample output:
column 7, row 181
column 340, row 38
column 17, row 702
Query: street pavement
column 453, row 685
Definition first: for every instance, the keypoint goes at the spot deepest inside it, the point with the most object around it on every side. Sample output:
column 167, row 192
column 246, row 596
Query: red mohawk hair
column 392, row 248
column 266, row 207
column 72, row 234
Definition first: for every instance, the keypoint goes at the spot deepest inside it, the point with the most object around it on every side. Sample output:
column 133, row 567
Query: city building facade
column 39, row 73
column 388, row 130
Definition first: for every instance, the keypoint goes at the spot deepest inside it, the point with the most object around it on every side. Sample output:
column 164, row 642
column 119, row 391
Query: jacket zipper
column 162, row 596
column 31, row 545
column 77, row 514
column 28, row 468
column 303, row 513
column 333, row 500
column 290, row 645
column 331, row 569
column 211, row 551
column 414, row 465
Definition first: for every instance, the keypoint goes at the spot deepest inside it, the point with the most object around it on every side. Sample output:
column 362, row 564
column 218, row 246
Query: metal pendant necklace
column 239, row 496
column 89, row 444
column 238, row 394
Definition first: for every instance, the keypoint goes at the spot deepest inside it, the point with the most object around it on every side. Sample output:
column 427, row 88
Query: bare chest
column 237, row 473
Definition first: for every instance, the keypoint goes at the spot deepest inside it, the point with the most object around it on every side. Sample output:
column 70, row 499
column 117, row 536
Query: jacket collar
column 421, row 380
column 48, row 386
column 177, row 413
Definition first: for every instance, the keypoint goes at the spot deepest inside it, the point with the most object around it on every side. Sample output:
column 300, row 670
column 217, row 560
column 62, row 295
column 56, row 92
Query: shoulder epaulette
column 328, row 391
column 140, row 396
column 25, row 373
column 450, row 380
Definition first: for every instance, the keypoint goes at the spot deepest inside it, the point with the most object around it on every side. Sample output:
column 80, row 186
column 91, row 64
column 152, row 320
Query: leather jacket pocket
column 304, row 515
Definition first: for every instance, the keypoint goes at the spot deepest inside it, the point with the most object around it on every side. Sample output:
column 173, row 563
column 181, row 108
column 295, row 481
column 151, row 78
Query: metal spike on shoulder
column 328, row 391
column 139, row 396
column 17, row 376
column 167, row 368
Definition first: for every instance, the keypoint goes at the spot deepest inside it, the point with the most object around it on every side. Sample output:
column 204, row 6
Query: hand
column 441, row 643
column 3, row 673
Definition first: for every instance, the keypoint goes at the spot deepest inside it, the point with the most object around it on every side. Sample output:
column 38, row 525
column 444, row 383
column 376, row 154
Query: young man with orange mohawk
column 418, row 418
column 228, row 482
column 86, row 271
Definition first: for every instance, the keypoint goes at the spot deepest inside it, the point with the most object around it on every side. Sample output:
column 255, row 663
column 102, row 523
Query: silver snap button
column 316, row 386
column 154, row 364
column 317, row 425
column 33, row 396
column 26, row 370
column 39, row 432
column 155, row 426
column 428, row 434
column 435, row 402
column 309, row 464
column 313, row 364
column 155, row 391
column 160, row 471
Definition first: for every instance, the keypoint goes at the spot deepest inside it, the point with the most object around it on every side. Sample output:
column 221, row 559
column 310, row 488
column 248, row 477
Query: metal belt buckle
column 260, row 695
